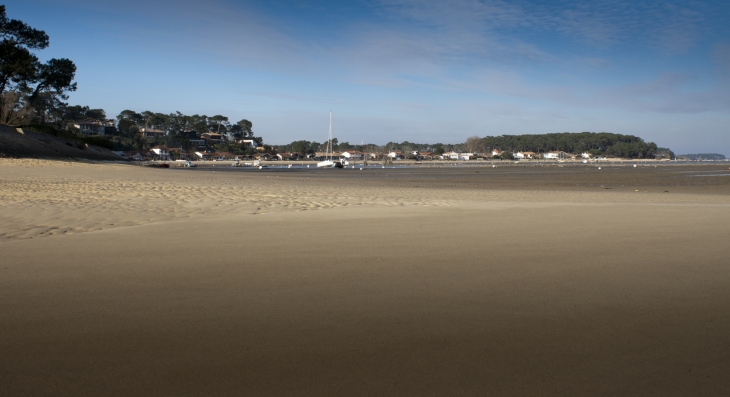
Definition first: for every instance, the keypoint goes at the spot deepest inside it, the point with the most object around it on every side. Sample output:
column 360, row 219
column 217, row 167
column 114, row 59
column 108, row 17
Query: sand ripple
column 37, row 204
column 41, row 198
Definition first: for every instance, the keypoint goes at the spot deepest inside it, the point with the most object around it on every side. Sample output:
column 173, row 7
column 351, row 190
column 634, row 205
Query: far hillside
column 596, row 144
column 703, row 156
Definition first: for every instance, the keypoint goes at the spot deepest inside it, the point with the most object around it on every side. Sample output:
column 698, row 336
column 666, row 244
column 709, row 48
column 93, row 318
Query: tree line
column 179, row 128
column 597, row 144
column 177, row 123
column 305, row 147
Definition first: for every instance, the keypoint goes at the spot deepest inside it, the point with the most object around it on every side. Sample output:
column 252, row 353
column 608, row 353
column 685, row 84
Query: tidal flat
column 122, row 280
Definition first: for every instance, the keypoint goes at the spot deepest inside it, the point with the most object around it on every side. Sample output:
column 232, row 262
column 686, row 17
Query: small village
column 167, row 153
column 202, row 147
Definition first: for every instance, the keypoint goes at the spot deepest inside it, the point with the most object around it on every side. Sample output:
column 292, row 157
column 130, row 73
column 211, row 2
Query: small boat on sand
column 328, row 162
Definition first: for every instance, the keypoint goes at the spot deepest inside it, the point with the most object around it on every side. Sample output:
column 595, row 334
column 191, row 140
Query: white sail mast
column 329, row 153
column 329, row 145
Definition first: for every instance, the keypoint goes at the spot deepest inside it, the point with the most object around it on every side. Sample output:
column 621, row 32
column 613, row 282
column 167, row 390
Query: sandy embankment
column 121, row 280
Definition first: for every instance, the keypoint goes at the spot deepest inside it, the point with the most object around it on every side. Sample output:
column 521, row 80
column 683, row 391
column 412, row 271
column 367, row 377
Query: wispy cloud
column 674, row 25
column 722, row 58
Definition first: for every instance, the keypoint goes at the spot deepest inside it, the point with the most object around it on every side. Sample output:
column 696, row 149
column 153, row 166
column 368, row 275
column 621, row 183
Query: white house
column 161, row 152
column 450, row 156
column 496, row 152
column 524, row 155
column 352, row 155
column 458, row 156
column 396, row 155
column 554, row 155
column 585, row 155
column 249, row 143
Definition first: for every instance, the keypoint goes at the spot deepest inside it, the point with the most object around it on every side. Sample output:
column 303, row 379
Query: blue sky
column 416, row 70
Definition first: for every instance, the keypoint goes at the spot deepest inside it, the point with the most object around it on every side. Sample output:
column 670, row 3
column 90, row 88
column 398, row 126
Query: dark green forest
column 179, row 129
column 597, row 144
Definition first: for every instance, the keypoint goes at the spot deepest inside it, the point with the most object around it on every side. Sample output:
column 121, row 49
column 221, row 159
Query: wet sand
column 120, row 280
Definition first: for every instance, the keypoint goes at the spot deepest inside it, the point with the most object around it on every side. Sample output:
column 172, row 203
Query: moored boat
column 328, row 162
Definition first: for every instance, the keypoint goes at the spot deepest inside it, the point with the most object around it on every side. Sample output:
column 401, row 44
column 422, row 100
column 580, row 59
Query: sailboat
column 328, row 162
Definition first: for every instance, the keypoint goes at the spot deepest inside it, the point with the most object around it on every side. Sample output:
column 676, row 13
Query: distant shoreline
column 469, row 163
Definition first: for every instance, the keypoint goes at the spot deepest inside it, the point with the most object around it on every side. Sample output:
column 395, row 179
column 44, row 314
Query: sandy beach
column 507, row 281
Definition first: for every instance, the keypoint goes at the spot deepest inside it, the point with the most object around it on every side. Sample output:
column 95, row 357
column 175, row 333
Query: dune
column 31, row 144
